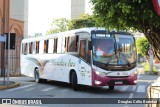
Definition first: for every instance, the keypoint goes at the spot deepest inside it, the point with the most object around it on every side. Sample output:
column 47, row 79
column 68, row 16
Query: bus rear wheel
column 37, row 77
column 74, row 81
column 111, row 87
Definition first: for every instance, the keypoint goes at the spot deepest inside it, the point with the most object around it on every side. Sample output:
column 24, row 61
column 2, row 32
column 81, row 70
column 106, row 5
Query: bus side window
column 45, row 46
column 37, row 47
column 73, row 43
column 83, row 49
column 67, row 44
column 51, row 45
column 34, row 48
column 66, row 39
column 30, row 47
column 77, row 40
column 22, row 50
column 55, row 45
column 59, row 45
column 88, row 55
column 25, row 49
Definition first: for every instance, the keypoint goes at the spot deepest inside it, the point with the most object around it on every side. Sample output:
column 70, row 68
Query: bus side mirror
column 90, row 45
column 134, row 39
column 120, row 47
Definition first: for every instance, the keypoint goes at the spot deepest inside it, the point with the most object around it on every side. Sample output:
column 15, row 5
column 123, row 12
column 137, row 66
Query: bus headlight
column 98, row 82
column 134, row 73
column 102, row 74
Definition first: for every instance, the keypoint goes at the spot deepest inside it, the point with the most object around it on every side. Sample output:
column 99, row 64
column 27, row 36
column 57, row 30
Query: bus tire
column 111, row 87
column 37, row 78
column 74, row 81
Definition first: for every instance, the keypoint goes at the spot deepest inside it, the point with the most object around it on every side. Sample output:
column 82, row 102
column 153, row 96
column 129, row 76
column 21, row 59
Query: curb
column 9, row 86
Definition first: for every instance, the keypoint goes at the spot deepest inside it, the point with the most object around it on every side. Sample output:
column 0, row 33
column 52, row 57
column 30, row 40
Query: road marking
column 147, row 81
column 141, row 88
column 20, row 87
column 134, row 87
column 47, row 89
column 139, row 76
column 131, row 95
column 139, row 73
column 30, row 89
column 124, row 88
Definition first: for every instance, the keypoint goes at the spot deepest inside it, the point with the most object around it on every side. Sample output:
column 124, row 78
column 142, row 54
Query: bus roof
column 88, row 30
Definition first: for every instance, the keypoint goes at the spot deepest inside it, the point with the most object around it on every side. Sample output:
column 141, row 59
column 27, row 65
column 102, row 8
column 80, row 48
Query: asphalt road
column 51, row 89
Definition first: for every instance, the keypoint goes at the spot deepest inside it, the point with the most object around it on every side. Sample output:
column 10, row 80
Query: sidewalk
column 5, row 85
column 142, row 71
column 157, row 65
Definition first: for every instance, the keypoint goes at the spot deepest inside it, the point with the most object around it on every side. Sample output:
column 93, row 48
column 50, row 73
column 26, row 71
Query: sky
column 41, row 13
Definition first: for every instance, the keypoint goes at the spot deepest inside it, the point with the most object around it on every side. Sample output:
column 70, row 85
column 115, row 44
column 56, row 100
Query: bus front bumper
column 112, row 81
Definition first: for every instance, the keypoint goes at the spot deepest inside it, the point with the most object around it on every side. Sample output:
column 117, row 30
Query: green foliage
column 84, row 21
column 130, row 14
column 63, row 24
column 147, row 67
column 58, row 25
column 142, row 45
column 125, row 14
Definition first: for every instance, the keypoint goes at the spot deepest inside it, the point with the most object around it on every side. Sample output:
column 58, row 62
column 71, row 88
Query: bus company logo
column 118, row 73
column 6, row 101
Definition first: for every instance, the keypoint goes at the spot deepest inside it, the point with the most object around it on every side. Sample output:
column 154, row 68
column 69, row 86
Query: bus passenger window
column 37, row 47
column 34, row 48
column 30, row 47
column 73, row 44
column 63, row 45
column 66, row 39
column 45, row 46
column 89, row 55
column 55, row 45
column 83, row 49
column 25, row 49
column 50, row 45
column 22, row 50
column 59, row 45
column 77, row 39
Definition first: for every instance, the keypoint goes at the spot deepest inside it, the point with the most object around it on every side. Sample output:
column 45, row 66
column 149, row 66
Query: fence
column 14, row 58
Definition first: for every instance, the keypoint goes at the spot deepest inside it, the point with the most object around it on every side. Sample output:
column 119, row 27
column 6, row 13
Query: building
column 79, row 7
column 13, row 19
column 54, row 9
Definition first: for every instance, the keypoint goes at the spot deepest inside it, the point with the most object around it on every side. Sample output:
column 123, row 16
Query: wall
column 77, row 8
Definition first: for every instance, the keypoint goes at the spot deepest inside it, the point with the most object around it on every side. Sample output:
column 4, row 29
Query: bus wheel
column 37, row 78
column 111, row 87
column 36, row 75
column 74, row 81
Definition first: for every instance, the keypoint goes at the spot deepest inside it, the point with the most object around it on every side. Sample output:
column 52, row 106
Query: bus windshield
column 128, row 49
column 103, row 49
column 114, row 49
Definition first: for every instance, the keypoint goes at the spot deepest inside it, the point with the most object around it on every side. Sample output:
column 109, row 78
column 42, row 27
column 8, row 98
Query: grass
column 147, row 68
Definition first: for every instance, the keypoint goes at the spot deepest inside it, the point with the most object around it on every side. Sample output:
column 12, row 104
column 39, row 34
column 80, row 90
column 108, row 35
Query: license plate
column 118, row 82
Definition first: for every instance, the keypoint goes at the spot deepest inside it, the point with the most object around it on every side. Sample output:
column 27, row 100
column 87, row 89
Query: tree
column 63, row 24
column 142, row 45
column 130, row 14
column 84, row 21
column 58, row 25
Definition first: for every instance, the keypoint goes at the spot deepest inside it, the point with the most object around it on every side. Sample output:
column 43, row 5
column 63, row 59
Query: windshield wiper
column 97, row 63
column 109, row 60
column 128, row 63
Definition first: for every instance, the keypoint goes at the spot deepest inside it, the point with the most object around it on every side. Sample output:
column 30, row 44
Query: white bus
column 87, row 56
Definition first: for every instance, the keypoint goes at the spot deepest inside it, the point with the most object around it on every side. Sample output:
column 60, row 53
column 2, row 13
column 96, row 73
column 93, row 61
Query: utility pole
column 150, row 52
column 2, row 44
